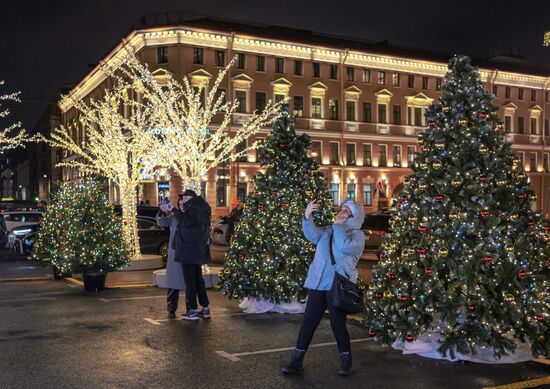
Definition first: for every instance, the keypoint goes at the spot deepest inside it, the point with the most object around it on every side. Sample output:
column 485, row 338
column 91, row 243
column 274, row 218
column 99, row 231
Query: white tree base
column 426, row 345
column 254, row 305
column 211, row 279
column 146, row 262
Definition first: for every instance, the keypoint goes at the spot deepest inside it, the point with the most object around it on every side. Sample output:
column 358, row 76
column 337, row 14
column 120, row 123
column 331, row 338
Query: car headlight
column 21, row 232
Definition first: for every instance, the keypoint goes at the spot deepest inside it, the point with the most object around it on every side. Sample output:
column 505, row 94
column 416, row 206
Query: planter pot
column 57, row 275
column 94, row 281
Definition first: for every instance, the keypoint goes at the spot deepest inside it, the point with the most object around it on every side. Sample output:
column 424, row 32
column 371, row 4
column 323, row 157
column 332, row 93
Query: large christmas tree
column 80, row 231
column 269, row 256
column 467, row 257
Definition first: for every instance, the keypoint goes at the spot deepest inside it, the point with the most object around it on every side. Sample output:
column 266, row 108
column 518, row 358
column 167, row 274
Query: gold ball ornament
column 499, row 127
column 372, row 287
column 514, row 216
column 446, row 109
column 454, row 216
column 440, row 146
column 456, row 183
column 533, row 197
column 423, row 165
column 483, row 149
column 443, row 251
column 429, row 309
column 509, row 249
column 423, row 186
column 463, row 122
column 437, row 165
column 387, row 294
column 257, row 274
column 521, row 176
column 509, row 298
column 501, row 182
column 420, row 141
column 413, row 219
column 515, row 162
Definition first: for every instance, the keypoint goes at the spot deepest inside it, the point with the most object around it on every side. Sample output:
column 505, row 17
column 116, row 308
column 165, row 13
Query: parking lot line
column 152, row 321
column 235, row 357
column 523, row 384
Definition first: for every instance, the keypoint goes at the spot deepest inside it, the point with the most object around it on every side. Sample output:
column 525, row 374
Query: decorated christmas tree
column 80, row 231
column 269, row 256
column 467, row 259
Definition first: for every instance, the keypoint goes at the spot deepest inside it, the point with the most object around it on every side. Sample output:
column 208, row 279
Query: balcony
column 382, row 128
column 240, row 118
column 535, row 139
column 317, row 124
column 352, row 126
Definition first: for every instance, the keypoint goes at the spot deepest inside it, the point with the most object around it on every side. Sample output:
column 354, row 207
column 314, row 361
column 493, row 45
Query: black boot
column 295, row 364
column 345, row 363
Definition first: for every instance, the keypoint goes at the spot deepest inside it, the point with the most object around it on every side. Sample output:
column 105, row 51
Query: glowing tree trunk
column 129, row 220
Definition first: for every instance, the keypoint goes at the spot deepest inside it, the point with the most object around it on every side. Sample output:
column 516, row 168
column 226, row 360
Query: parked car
column 152, row 238
column 21, row 205
column 14, row 219
column 375, row 227
column 21, row 233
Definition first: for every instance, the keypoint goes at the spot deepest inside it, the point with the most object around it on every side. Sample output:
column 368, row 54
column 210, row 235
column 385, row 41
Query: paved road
column 52, row 334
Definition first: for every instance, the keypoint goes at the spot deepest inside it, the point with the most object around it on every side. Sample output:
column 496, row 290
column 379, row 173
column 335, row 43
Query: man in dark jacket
column 191, row 245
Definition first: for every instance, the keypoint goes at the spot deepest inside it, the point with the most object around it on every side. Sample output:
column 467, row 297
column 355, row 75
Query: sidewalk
column 18, row 268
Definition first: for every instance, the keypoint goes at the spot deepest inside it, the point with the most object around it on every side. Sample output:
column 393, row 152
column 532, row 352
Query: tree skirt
column 426, row 345
column 254, row 305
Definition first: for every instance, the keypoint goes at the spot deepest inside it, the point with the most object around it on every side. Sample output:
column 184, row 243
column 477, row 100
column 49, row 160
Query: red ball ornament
column 372, row 332
column 548, row 264
column 539, row 318
column 531, row 223
column 482, row 178
column 488, row 258
column 432, row 123
column 283, row 204
column 428, row 271
column 383, row 255
column 275, row 193
column 241, row 256
column 403, row 297
column 405, row 199
column 125, row 223
column 111, row 241
column 471, row 308
column 522, row 274
column 522, row 196
column 261, row 206
column 423, row 229
column 482, row 115
column 282, row 146
column 256, row 221
column 392, row 276
column 547, row 228
column 484, row 213
column 439, row 197
column 421, row 251
column 379, row 295
column 409, row 338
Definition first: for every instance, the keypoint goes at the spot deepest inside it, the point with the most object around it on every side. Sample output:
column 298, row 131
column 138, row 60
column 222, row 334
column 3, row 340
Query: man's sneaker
column 191, row 314
column 205, row 313
column 171, row 315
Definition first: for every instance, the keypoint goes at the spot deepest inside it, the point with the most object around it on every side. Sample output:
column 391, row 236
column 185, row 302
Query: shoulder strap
column 331, row 253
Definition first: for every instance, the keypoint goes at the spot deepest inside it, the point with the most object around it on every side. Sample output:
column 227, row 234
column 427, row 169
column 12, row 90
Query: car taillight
column 217, row 231
column 379, row 233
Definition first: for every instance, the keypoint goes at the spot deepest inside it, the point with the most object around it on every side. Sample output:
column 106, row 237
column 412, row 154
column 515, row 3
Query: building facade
column 363, row 104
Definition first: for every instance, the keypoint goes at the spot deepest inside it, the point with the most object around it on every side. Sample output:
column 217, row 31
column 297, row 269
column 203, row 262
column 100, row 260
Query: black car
column 152, row 238
column 375, row 227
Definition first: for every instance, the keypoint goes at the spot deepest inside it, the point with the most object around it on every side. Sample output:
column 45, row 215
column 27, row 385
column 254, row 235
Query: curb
column 26, row 279
column 81, row 283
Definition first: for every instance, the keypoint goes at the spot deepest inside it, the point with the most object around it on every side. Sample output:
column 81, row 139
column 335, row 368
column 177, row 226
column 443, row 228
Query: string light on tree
column 11, row 136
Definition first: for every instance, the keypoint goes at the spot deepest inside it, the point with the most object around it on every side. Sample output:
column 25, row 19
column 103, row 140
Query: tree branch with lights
column 11, row 136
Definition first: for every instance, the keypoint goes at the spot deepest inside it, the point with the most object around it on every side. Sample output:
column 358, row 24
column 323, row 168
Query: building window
column 298, row 68
column 240, row 95
column 316, row 108
column 534, row 126
column 382, row 156
column 279, row 65
column 242, row 191
column 162, row 54
column 520, row 93
column 508, row 124
column 366, row 76
column 382, row 113
column 417, row 116
column 335, row 193
column 316, row 151
column 546, row 162
column 334, row 153
column 367, row 195
column 351, row 192
column 298, row 106
column 350, row 73
column 533, row 95
column 367, row 113
column 410, row 81
column 222, row 184
column 240, row 148
column 438, row 83
column 495, row 90
column 260, row 101
column 279, row 97
column 521, row 156
column 396, row 156
column 507, row 92
column 333, row 72
column 260, row 63
column 546, row 128
column 219, row 58
column 259, row 148
column 381, row 78
column 411, row 151
column 316, row 69
column 521, row 125
column 367, row 155
column 240, row 61
column 533, row 162
column 333, row 109
column 425, row 82
column 198, row 55
column 350, row 154
column 350, row 111
column 546, row 96
column 409, row 116
column 396, row 79
column 397, row 114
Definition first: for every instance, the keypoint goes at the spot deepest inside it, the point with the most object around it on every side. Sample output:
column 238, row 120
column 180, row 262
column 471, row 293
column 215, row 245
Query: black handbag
column 344, row 294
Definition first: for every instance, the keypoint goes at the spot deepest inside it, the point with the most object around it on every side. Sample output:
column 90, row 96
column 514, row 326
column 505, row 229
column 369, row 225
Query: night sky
column 46, row 44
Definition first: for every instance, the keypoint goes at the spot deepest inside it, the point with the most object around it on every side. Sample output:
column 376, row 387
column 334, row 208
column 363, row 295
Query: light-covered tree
column 11, row 136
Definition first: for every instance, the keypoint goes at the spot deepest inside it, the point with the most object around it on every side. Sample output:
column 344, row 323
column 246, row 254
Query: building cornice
column 246, row 43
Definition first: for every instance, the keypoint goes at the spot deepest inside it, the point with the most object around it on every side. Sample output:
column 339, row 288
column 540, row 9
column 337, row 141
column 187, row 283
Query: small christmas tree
column 269, row 256
column 467, row 257
column 80, row 231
